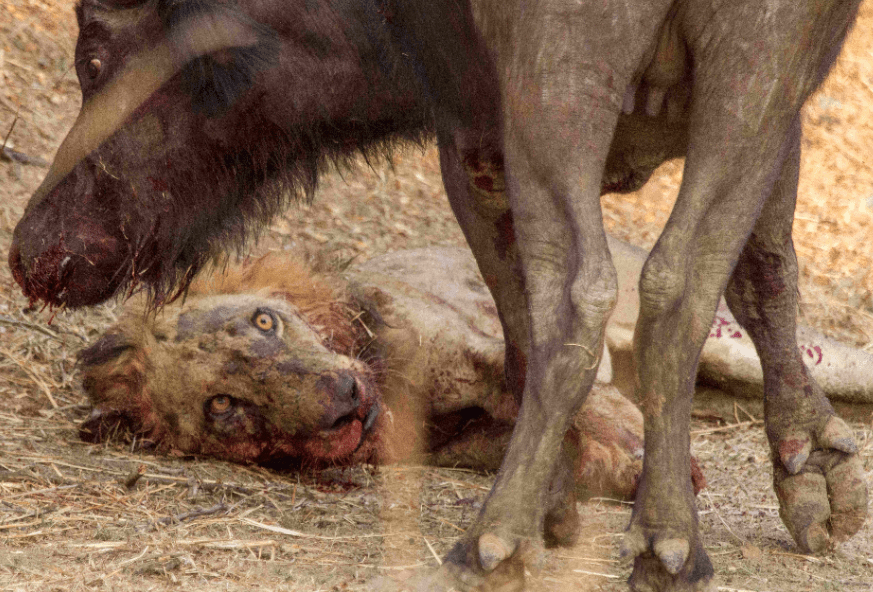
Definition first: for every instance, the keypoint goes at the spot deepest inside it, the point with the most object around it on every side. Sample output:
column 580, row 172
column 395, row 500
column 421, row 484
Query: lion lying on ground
column 398, row 360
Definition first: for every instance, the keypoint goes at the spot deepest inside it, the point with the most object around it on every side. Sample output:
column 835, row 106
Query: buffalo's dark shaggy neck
column 269, row 132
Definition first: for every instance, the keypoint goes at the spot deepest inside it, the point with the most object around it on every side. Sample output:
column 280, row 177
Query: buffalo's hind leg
column 817, row 473
column 743, row 136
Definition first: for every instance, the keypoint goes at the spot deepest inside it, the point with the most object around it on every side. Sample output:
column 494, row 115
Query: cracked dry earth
column 75, row 516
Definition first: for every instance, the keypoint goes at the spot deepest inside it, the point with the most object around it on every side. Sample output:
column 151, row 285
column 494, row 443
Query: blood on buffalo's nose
column 67, row 256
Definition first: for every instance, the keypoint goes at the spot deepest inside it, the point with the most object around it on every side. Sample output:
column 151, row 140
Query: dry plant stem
column 135, row 474
column 215, row 509
column 9, row 133
column 33, row 327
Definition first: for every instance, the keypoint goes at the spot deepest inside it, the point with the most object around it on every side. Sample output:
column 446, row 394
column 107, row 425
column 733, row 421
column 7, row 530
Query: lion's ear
column 108, row 348
column 113, row 378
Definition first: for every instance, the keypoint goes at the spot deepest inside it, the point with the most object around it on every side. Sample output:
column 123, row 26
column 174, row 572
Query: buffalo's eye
column 220, row 404
column 94, row 68
column 266, row 321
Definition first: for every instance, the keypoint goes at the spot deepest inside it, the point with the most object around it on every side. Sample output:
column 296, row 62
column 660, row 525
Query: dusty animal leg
column 817, row 473
column 475, row 183
column 741, row 131
column 564, row 72
column 679, row 291
column 474, row 177
column 570, row 286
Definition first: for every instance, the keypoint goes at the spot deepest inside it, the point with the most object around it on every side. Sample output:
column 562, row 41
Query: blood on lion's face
column 242, row 377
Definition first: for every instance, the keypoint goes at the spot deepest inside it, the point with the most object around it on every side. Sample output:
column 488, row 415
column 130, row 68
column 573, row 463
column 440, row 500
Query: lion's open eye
column 266, row 321
column 220, row 404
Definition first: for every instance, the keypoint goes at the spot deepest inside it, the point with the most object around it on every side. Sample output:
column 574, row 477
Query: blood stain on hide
column 159, row 185
column 504, row 240
column 790, row 447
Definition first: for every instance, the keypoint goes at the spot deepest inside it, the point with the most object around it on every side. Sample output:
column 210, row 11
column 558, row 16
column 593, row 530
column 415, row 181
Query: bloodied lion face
column 243, row 377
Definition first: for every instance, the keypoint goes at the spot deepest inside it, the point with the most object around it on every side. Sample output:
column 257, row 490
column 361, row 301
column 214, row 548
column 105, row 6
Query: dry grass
column 75, row 516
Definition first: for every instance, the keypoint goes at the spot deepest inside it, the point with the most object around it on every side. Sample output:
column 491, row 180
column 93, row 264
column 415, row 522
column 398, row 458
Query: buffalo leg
column 560, row 104
column 680, row 287
column 475, row 184
column 742, row 129
column 569, row 286
column 817, row 473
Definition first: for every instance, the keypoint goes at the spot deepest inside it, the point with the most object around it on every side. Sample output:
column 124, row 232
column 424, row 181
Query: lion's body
column 417, row 331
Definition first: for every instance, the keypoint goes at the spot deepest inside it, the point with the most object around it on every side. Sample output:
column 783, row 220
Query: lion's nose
column 347, row 388
column 343, row 400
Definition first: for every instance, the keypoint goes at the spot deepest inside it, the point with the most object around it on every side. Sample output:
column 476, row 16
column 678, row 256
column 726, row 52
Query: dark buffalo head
column 199, row 121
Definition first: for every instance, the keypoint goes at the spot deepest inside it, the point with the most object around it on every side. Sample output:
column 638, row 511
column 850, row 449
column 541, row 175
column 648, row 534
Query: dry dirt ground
column 68, row 521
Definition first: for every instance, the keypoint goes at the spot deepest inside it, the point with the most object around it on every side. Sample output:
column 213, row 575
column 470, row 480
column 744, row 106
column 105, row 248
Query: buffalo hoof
column 663, row 541
column 666, row 564
column 489, row 562
column 507, row 576
column 819, row 480
column 562, row 524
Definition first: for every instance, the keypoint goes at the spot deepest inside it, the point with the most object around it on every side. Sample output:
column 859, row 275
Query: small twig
column 306, row 535
column 808, row 558
column 137, row 558
column 391, row 567
column 227, row 543
column 717, row 513
column 594, row 573
column 42, row 491
column 732, row 426
column 186, row 516
column 22, row 525
column 466, row 484
column 358, row 318
column 447, row 523
column 611, row 500
column 11, row 522
column 7, row 153
column 432, row 551
column 743, row 409
column 9, row 133
column 588, row 351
